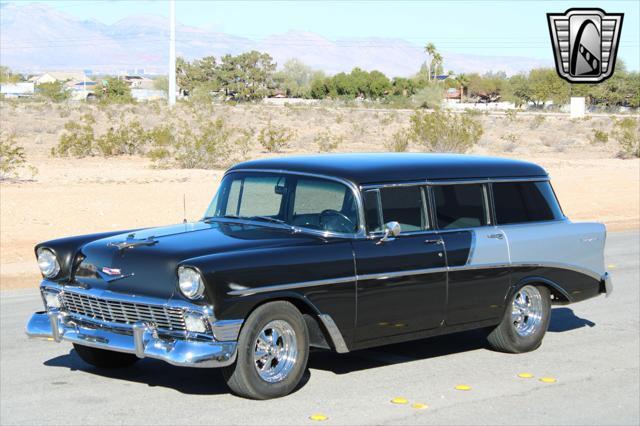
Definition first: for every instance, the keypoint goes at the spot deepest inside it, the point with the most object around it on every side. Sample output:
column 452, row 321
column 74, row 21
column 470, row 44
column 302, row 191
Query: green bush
column 441, row 131
column 12, row 157
column 627, row 133
column 209, row 145
column 78, row 138
column 126, row 139
column 512, row 115
column 275, row 138
column 327, row 142
column 599, row 136
column 399, row 142
column 429, row 97
column 114, row 90
column 53, row 91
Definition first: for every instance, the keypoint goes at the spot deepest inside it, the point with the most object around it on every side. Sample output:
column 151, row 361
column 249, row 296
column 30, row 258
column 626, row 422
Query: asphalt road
column 592, row 349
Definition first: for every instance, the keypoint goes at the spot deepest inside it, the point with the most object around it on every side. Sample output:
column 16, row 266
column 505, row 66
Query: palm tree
column 430, row 50
column 437, row 60
column 463, row 81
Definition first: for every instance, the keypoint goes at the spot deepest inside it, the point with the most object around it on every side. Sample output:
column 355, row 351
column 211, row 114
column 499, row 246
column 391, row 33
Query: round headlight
column 190, row 283
column 48, row 263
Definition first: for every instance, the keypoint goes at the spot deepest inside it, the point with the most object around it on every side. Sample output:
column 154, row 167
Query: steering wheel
column 335, row 221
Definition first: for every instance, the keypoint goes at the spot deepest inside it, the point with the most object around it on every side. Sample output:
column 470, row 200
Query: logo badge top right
column 585, row 43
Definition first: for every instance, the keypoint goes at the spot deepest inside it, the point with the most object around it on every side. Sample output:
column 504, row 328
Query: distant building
column 53, row 76
column 139, row 82
column 17, row 90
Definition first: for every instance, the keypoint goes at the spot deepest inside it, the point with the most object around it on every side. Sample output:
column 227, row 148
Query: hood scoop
column 132, row 242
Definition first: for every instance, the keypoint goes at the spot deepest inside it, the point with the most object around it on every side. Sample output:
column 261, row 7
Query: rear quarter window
column 522, row 202
column 460, row 206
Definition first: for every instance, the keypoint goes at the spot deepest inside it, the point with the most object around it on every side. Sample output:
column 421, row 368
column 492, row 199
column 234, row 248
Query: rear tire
column 525, row 321
column 273, row 349
column 103, row 358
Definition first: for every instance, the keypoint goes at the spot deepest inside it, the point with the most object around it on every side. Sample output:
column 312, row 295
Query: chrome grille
column 116, row 311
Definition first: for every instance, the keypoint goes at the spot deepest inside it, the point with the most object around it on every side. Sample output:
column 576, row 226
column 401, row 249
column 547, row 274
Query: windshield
column 301, row 201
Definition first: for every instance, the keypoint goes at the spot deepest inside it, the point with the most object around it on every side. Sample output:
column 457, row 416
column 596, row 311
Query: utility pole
column 172, row 53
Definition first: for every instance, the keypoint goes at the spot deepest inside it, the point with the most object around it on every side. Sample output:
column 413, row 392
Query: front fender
column 67, row 248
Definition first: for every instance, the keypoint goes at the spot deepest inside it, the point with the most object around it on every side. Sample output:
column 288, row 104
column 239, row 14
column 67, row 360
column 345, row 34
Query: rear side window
column 460, row 206
column 521, row 202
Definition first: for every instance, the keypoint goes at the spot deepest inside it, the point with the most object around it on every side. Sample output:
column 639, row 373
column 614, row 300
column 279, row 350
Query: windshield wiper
column 269, row 219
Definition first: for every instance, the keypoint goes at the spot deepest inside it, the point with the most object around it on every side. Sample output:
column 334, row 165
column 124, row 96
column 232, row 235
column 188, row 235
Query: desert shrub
column 399, row 142
column 512, row 140
column 511, row 114
column 78, row 138
column 53, row 91
column 537, row 121
column 599, row 136
column 441, row 131
column 429, row 97
column 627, row 133
column 208, row 145
column 113, row 90
column 12, row 157
column 339, row 118
column 274, row 138
column 328, row 142
column 126, row 139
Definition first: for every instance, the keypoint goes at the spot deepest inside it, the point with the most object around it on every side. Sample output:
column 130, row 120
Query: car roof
column 398, row 167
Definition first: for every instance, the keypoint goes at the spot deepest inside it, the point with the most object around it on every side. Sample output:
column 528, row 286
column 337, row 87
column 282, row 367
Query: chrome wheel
column 275, row 351
column 527, row 310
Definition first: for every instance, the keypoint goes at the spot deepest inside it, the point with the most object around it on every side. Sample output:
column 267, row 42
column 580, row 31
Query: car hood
column 145, row 262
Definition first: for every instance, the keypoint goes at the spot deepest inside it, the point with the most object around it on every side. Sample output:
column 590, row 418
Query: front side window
column 402, row 204
column 460, row 206
column 314, row 203
column 521, row 202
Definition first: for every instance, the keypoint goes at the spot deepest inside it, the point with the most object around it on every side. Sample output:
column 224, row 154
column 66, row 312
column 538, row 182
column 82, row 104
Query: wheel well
column 558, row 294
column 318, row 335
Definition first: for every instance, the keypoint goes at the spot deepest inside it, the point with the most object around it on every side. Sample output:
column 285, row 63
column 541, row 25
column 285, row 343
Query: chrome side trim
column 334, row 333
column 455, row 182
column 354, row 189
column 226, row 330
column 279, row 287
column 398, row 274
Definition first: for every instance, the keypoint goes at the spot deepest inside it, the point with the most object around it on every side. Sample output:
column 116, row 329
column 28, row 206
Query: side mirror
column 391, row 230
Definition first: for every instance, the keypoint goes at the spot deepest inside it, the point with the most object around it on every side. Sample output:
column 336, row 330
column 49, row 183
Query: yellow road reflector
column 548, row 379
column 49, row 339
column 419, row 406
column 399, row 400
column 318, row 417
column 463, row 387
column 525, row 375
column 611, row 266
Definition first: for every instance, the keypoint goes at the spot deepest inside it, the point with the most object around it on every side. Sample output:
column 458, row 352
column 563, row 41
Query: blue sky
column 489, row 27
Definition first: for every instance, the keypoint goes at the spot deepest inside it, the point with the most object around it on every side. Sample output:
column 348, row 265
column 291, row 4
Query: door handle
column 498, row 236
column 438, row 241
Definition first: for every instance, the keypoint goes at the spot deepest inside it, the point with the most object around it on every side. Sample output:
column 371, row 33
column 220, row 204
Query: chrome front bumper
column 144, row 341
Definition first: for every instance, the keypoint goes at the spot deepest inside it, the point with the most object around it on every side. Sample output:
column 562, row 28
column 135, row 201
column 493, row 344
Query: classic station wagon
column 340, row 252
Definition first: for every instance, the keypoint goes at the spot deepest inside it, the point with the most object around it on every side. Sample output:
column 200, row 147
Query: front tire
column 273, row 350
column 525, row 321
column 103, row 358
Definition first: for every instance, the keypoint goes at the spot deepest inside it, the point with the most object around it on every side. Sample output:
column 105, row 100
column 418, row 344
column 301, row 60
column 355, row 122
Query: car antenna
column 184, row 208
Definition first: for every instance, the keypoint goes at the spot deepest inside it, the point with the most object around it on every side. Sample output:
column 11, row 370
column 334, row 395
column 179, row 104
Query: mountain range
column 36, row 37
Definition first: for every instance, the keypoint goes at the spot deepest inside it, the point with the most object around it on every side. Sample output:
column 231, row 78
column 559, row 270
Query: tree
column 294, row 78
column 6, row 76
column 53, row 91
column 430, row 49
column 545, row 85
column 247, row 76
column 114, row 90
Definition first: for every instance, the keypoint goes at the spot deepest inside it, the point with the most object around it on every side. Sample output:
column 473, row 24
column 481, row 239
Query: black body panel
column 392, row 305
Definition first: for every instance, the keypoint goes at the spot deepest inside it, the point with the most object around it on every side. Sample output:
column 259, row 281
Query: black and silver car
column 340, row 252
